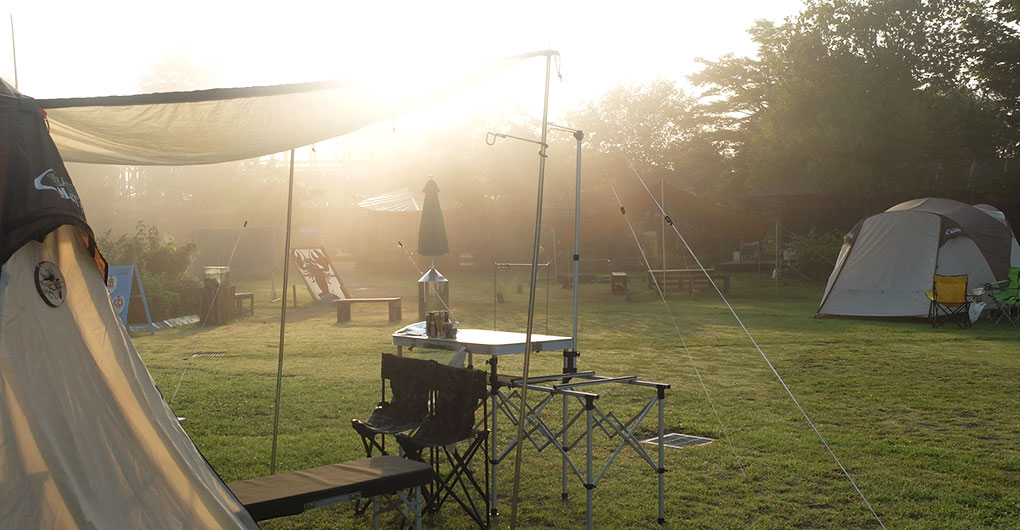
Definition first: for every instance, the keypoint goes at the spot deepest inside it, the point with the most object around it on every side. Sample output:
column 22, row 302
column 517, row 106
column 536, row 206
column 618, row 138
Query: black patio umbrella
column 432, row 230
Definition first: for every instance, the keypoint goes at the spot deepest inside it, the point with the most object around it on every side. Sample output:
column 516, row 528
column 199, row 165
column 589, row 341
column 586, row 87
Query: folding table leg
column 417, row 508
column 589, row 486
column 662, row 456
column 493, row 445
column 566, row 443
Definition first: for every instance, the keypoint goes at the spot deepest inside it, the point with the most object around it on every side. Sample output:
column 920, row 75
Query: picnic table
column 688, row 276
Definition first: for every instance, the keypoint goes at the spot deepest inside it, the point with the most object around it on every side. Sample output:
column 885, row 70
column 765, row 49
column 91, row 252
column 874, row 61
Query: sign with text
column 125, row 286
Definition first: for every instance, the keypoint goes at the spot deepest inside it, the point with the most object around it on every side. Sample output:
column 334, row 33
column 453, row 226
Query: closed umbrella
column 433, row 288
column 432, row 230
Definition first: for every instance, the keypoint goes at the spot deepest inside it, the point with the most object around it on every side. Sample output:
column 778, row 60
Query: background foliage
column 865, row 103
column 163, row 265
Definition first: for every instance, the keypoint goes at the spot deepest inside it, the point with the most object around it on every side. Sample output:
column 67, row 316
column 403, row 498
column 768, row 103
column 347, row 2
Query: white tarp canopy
column 888, row 260
column 221, row 125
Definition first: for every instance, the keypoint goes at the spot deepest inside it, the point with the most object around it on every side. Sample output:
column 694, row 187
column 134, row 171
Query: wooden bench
column 343, row 307
column 688, row 276
column 295, row 492
column 590, row 271
column 239, row 299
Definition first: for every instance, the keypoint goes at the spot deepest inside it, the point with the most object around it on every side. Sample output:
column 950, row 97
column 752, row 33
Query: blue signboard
column 125, row 286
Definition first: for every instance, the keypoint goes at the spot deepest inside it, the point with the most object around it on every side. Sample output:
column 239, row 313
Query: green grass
column 926, row 421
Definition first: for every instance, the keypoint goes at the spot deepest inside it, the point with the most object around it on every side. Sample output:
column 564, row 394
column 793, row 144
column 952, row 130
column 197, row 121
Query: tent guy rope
column 230, row 260
column 669, row 221
column 679, row 333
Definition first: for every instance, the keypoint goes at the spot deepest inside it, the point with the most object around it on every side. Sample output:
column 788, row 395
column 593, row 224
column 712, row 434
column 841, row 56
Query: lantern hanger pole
column 569, row 362
column 531, row 297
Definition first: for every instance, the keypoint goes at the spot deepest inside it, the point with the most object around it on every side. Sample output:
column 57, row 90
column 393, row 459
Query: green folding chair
column 1005, row 294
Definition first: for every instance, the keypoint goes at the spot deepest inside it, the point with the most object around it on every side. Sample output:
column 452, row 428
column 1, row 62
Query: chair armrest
column 930, row 294
column 992, row 285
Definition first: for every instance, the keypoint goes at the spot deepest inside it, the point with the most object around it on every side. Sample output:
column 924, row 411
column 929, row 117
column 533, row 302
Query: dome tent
column 888, row 260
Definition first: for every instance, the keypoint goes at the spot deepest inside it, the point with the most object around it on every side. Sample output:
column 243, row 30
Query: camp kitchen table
column 495, row 343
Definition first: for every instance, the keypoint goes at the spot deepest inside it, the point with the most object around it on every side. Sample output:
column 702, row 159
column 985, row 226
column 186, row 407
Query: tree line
column 872, row 101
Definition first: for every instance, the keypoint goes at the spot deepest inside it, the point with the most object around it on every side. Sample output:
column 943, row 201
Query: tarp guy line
column 230, row 260
column 209, row 312
column 755, row 343
column 676, row 326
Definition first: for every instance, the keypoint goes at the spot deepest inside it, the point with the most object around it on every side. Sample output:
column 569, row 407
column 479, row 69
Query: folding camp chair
column 948, row 297
column 458, row 392
column 1005, row 294
column 407, row 407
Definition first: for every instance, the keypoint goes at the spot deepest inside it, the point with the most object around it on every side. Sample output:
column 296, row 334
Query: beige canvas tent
column 86, row 439
column 888, row 260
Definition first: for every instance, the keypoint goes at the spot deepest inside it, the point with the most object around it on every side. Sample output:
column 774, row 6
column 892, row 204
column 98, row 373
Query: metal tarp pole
column 531, row 295
column 570, row 362
column 577, row 245
column 283, row 313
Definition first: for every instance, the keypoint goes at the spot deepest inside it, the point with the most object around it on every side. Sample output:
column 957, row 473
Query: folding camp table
column 566, row 385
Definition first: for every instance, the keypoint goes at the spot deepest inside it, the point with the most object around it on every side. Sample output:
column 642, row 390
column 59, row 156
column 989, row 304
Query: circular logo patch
column 111, row 283
column 50, row 283
column 118, row 303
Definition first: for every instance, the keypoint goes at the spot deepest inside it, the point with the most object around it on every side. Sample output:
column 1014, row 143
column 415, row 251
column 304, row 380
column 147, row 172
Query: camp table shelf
column 539, row 432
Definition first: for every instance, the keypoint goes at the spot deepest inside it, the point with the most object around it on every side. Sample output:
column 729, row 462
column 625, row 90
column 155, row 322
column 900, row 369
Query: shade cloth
column 224, row 124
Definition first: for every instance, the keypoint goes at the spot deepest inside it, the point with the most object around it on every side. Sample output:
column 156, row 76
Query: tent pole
column 283, row 313
column 577, row 245
column 531, row 296
column 14, row 54
column 662, row 222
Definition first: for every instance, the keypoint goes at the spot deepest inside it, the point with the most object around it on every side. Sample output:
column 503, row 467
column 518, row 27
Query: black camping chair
column 406, row 409
column 458, row 392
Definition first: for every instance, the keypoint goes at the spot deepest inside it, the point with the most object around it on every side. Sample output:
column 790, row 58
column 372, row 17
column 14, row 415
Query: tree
column 657, row 125
column 163, row 265
column 863, row 97
column 177, row 72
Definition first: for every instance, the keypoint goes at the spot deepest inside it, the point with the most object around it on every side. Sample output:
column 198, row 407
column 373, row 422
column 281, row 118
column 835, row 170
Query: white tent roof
column 402, row 200
column 887, row 261
column 220, row 125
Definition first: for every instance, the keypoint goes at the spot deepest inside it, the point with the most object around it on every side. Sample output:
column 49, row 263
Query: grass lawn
column 926, row 421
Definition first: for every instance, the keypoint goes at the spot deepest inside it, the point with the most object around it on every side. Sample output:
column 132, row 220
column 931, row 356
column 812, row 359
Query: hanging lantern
column 433, row 293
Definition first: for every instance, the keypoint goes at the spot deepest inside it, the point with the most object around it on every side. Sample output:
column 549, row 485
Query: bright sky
column 74, row 48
